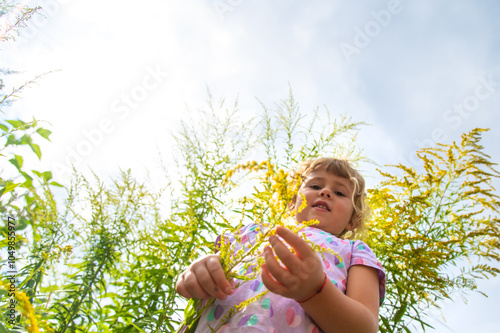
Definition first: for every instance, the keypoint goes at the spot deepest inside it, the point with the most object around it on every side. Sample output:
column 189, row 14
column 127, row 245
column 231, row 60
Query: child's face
column 328, row 198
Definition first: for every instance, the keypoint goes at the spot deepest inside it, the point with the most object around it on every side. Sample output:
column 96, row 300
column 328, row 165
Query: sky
column 122, row 74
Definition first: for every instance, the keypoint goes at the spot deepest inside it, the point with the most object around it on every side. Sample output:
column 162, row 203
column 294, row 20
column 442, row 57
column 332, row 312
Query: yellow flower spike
column 27, row 310
column 303, row 204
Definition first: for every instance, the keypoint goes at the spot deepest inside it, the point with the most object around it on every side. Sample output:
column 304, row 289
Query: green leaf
column 11, row 140
column 4, row 128
column 192, row 327
column 16, row 123
column 190, row 310
column 28, row 178
column 36, row 150
column 44, row 133
column 138, row 328
column 25, row 140
column 8, row 187
column 17, row 161
column 47, row 175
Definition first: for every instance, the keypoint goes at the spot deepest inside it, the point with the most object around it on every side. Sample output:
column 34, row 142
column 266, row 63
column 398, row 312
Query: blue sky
column 419, row 72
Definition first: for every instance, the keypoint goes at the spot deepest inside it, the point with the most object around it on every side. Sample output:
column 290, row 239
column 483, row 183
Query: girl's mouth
column 321, row 205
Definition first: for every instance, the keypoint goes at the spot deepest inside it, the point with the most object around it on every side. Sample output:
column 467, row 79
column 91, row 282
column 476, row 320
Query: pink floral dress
column 274, row 313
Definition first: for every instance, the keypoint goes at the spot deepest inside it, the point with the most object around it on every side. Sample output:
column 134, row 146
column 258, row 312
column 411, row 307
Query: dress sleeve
column 363, row 255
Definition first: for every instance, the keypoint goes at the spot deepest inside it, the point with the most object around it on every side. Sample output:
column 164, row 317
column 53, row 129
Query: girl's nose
column 326, row 193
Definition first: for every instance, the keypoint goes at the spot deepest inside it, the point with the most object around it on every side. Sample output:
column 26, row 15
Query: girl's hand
column 302, row 275
column 204, row 278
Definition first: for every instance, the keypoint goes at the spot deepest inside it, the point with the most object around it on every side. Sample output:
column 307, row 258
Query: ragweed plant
column 267, row 208
column 23, row 305
column 425, row 223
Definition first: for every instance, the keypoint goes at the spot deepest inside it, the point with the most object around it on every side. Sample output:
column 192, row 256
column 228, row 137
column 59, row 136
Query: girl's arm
column 303, row 276
column 355, row 312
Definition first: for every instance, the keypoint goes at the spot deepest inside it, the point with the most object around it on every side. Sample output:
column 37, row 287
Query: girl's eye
column 340, row 194
column 315, row 187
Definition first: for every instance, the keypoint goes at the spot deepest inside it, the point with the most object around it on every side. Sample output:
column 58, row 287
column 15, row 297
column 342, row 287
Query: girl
column 311, row 292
